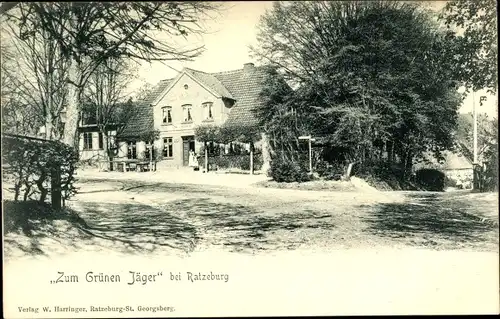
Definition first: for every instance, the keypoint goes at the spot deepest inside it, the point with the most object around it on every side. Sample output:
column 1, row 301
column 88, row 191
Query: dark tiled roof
column 245, row 86
column 142, row 118
column 156, row 91
column 210, row 81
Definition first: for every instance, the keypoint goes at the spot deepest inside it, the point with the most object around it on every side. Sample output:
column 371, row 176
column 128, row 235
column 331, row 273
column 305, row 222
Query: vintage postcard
column 180, row 159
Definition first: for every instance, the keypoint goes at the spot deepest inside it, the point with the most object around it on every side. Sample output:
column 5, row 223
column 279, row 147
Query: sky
column 227, row 43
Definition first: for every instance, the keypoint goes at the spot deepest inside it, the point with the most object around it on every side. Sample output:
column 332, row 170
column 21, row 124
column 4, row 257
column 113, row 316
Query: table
column 134, row 165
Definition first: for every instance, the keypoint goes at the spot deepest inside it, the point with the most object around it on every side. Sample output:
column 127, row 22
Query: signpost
column 310, row 140
column 476, row 167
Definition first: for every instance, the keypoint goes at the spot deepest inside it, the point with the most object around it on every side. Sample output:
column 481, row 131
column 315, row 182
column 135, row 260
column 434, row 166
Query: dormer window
column 166, row 114
column 207, row 109
column 187, row 110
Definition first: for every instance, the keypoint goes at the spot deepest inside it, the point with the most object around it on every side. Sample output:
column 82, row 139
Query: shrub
column 288, row 171
column 30, row 163
column 329, row 171
column 382, row 174
column 430, row 179
column 237, row 161
column 450, row 182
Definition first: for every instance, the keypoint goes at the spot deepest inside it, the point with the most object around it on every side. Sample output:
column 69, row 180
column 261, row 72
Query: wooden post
column 310, row 157
column 55, row 188
column 251, row 158
column 151, row 156
column 206, row 157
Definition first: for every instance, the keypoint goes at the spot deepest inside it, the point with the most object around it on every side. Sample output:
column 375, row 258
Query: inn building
column 175, row 107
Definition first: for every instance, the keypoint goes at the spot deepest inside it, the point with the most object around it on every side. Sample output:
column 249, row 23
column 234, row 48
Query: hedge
column 30, row 164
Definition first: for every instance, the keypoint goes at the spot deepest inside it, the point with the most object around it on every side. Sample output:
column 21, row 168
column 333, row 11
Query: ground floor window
column 168, row 147
column 87, row 141
column 132, row 150
column 150, row 149
column 101, row 141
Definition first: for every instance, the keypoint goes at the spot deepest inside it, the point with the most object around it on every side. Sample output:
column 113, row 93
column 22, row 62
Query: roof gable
column 205, row 80
column 209, row 81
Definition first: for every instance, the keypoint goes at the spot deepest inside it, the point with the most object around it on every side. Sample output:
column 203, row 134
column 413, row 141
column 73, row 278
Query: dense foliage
column 287, row 171
column 477, row 41
column 241, row 161
column 30, row 165
column 375, row 80
column 430, row 179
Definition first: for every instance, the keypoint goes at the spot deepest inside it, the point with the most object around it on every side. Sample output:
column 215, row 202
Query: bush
column 30, row 163
column 237, row 161
column 288, row 171
column 329, row 171
column 450, row 182
column 382, row 174
column 430, row 179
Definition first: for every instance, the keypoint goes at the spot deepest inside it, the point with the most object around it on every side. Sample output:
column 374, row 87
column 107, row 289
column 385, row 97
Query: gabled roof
column 453, row 160
column 242, row 85
column 245, row 86
column 210, row 81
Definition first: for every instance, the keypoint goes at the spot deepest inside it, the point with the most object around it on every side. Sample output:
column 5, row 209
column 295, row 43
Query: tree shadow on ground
column 432, row 220
column 138, row 227
column 35, row 221
column 141, row 187
column 241, row 228
column 187, row 223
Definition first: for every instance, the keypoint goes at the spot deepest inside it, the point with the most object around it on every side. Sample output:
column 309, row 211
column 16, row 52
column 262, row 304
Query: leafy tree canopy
column 368, row 76
column 477, row 43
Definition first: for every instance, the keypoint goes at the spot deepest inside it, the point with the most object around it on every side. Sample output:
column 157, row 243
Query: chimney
column 248, row 67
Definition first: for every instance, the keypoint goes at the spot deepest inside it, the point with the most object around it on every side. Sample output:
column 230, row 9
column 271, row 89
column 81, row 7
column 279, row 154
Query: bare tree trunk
column 49, row 127
column 73, row 106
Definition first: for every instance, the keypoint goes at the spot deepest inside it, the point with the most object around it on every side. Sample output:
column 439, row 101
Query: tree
column 37, row 75
column 149, row 137
column 17, row 116
column 90, row 32
column 477, row 44
column 106, row 103
column 244, row 133
column 143, row 92
column 347, row 90
column 486, row 134
column 206, row 133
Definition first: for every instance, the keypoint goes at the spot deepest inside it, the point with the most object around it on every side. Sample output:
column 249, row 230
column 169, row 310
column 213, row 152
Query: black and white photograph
column 249, row 158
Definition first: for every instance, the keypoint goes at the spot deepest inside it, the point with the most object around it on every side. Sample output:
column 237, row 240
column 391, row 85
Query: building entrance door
column 187, row 145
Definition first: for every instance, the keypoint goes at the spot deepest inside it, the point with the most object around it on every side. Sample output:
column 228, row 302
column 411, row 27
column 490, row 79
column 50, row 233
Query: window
column 87, row 141
column 168, row 147
column 166, row 114
column 187, row 109
column 207, row 107
column 131, row 150
column 101, row 141
column 150, row 150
